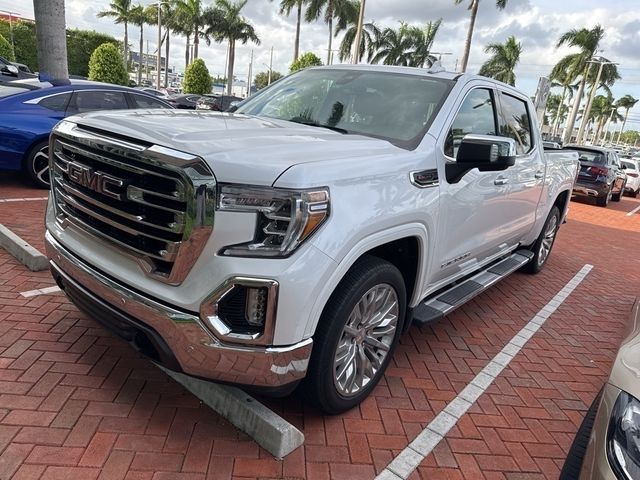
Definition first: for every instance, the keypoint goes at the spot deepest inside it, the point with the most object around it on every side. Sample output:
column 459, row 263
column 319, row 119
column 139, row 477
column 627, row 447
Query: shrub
column 106, row 65
column 305, row 60
column 5, row 49
column 262, row 79
column 196, row 78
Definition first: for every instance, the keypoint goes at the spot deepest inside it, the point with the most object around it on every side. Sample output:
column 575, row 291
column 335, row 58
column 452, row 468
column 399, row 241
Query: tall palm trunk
column 166, row 55
column 141, row 54
column 568, row 129
column 196, row 42
column 624, row 122
column 296, row 48
column 556, row 121
column 186, row 52
column 52, row 40
column 467, row 45
column 126, row 46
column 330, row 15
column 232, row 56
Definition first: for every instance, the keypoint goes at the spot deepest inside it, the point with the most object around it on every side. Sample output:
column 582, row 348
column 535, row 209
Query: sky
column 537, row 24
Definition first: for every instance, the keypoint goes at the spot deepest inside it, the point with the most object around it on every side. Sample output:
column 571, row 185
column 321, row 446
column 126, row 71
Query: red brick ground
column 75, row 402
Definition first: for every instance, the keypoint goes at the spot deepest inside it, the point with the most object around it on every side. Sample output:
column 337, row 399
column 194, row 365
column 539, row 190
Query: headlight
column 286, row 218
column 624, row 437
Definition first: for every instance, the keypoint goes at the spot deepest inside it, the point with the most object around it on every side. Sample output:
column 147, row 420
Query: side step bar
column 437, row 307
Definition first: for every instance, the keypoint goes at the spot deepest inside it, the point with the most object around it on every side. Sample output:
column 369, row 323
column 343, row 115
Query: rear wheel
column 604, row 200
column 356, row 336
column 616, row 197
column 543, row 245
column 36, row 164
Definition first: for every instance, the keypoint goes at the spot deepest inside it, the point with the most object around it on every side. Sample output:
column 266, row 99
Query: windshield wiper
column 311, row 123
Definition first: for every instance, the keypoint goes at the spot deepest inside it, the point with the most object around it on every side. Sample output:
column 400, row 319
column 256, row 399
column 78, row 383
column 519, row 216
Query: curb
column 267, row 428
column 22, row 251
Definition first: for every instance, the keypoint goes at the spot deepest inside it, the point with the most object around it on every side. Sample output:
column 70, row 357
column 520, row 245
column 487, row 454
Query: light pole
column 250, row 75
column 356, row 51
column 159, row 59
column 587, row 111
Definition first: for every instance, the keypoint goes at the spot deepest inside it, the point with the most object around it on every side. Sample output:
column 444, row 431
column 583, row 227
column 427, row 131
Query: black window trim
column 493, row 94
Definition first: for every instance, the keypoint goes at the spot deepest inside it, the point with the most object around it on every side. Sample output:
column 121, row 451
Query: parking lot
column 76, row 402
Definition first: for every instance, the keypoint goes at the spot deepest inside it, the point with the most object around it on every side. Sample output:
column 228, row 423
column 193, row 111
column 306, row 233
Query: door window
column 476, row 116
column 57, row 103
column 143, row 101
column 517, row 124
column 93, row 100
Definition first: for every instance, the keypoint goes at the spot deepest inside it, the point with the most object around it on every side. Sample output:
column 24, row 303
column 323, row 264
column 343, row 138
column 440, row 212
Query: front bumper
column 174, row 338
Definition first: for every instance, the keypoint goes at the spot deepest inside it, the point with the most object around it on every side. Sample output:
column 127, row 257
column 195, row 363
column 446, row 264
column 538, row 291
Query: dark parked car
column 187, row 101
column 217, row 103
column 601, row 175
column 29, row 109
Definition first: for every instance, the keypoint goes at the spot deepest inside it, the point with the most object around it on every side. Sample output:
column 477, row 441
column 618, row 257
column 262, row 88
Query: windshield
column 589, row 156
column 628, row 165
column 393, row 106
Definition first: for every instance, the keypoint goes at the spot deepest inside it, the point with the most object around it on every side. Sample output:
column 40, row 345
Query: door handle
column 539, row 174
column 501, row 181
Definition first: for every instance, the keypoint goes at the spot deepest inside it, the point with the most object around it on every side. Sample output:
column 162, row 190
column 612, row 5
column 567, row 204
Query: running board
column 437, row 307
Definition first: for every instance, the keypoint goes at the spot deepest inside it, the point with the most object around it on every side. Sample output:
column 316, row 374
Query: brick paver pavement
column 75, row 402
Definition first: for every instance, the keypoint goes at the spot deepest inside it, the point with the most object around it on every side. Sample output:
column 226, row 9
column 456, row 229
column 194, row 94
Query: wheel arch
column 34, row 143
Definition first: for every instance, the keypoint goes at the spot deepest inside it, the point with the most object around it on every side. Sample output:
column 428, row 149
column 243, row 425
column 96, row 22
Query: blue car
column 29, row 109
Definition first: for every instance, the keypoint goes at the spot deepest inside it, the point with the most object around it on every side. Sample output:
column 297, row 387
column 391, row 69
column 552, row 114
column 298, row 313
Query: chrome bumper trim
column 198, row 352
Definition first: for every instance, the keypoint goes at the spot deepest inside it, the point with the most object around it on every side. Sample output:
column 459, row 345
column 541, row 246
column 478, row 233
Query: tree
column 80, row 46
column 224, row 22
column 196, row 78
column 285, row 9
column 25, row 46
column 504, row 58
column 52, row 43
column 627, row 102
column 407, row 46
column 142, row 16
column 192, row 16
column 370, row 36
column 5, row 49
column 106, row 65
column 262, row 79
column 340, row 10
column 121, row 11
column 305, row 60
column 473, row 7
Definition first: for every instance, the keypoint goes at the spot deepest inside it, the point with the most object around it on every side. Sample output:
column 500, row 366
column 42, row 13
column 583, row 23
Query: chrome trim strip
column 197, row 351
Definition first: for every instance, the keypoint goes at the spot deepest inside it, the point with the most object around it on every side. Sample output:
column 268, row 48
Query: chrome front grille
column 152, row 203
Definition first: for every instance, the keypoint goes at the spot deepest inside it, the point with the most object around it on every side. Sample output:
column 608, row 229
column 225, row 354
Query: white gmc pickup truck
column 299, row 236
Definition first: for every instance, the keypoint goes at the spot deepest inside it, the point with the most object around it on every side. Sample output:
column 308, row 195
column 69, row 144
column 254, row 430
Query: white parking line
column 635, row 210
column 28, row 199
column 410, row 458
column 40, row 291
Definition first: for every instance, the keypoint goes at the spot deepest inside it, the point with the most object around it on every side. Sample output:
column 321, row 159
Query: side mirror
column 12, row 69
column 487, row 153
column 233, row 106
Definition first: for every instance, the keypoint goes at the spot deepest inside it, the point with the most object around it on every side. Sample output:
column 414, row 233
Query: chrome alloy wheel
column 41, row 165
column 547, row 240
column 366, row 339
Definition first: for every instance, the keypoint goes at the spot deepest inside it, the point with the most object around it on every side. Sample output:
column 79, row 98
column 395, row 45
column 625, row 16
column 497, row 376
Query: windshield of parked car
column 629, row 165
column 7, row 89
column 398, row 107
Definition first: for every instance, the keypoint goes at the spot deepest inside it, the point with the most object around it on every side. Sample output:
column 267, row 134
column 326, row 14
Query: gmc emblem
column 97, row 181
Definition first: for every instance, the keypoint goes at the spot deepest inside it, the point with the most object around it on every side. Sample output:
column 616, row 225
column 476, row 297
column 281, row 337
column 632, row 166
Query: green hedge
column 5, row 49
column 196, row 78
column 106, row 65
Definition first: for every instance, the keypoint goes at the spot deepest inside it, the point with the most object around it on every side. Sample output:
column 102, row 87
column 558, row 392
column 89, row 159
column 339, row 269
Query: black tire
column 604, row 201
column 634, row 194
column 35, row 166
column 539, row 259
column 616, row 197
column 575, row 457
column 319, row 385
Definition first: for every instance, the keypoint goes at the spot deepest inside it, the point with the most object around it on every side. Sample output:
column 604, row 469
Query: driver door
column 474, row 210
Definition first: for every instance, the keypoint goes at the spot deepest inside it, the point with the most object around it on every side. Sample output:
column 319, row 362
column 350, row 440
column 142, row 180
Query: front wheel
column 37, row 164
column 543, row 245
column 604, row 200
column 356, row 336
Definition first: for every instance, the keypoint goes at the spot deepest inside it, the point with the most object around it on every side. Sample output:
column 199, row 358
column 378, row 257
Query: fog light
column 256, row 306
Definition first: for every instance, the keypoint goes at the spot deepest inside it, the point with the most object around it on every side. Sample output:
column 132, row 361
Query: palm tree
column 587, row 40
column 370, row 36
column 340, row 10
column 285, row 9
column 423, row 39
column 503, row 60
column 473, row 6
column 141, row 16
column 395, row 47
column 121, row 11
column 557, row 110
column 51, row 39
column 224, row 22
column 191, row 15
column 627, row 102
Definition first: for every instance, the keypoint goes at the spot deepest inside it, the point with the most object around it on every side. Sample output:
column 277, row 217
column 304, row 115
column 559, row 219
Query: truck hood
column 238, row 148
column 625, row 373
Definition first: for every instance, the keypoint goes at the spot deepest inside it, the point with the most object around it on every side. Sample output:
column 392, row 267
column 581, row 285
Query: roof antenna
column 436, row 67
